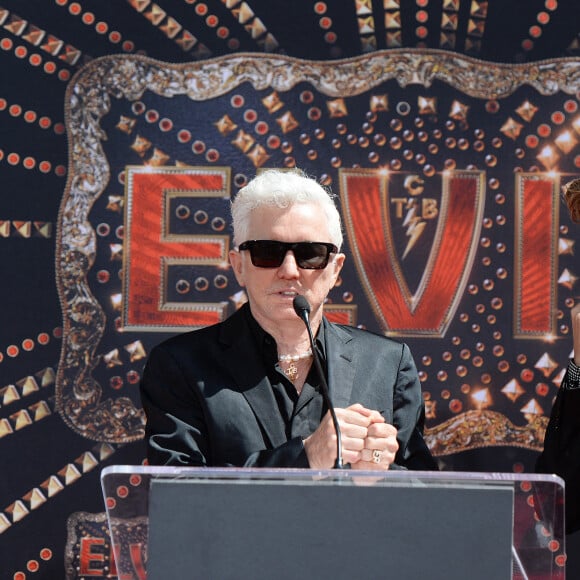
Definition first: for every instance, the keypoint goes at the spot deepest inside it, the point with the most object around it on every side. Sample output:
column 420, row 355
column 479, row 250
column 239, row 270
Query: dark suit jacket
column 561, row 453
column 209, row 402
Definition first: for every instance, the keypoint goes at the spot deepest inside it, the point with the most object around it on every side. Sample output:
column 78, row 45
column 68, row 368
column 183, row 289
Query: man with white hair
column 245, row 392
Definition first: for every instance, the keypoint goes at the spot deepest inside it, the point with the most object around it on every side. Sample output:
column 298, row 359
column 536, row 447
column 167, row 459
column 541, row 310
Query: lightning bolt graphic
column 415, row 226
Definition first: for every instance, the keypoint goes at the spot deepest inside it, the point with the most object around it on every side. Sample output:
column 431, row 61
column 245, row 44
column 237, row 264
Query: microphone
column 302, row 309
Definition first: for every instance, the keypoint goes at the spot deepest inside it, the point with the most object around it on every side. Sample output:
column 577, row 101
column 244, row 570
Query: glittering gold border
column 477, row 429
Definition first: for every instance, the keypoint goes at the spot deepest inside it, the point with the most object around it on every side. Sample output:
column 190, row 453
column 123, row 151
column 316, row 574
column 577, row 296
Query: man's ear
column 337, row 264
column 236, row 262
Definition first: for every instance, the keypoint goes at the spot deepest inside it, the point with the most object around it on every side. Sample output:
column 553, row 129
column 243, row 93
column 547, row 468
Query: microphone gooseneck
column 302, row 309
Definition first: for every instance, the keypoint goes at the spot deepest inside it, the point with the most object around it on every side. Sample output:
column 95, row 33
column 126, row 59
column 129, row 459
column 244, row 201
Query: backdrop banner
column 447, row 171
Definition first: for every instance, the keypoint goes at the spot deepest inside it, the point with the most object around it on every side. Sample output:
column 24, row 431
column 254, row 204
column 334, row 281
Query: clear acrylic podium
column 208, row 523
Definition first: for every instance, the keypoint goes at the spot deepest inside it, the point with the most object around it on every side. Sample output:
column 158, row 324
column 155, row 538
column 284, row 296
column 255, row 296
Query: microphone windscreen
column 301, row 305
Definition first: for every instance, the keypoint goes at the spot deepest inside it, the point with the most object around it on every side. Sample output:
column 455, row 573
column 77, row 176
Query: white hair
column 283, row 189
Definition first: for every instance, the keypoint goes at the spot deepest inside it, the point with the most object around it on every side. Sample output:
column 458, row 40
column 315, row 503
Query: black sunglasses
column 271, row 254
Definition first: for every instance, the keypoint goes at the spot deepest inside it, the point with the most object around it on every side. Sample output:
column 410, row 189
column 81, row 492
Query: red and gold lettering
column 150, row 247
column 366, row 199
column 536, row 258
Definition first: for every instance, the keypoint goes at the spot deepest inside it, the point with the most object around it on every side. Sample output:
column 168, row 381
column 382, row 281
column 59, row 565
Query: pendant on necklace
column 291, row 372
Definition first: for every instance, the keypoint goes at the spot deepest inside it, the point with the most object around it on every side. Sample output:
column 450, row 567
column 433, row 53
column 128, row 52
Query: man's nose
column 289, row 268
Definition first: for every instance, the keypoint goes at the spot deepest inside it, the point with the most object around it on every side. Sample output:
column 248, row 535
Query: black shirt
column 301, row 413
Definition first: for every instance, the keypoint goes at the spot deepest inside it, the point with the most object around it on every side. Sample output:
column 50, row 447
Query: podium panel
column 253, row 523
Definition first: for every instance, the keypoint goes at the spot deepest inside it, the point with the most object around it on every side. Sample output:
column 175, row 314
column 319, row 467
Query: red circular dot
column 527, row 44
column 184, row 136
column 32, row 565
column 6, row 44
column 1, row 154
column 57, row 332
column 35, row 60
column 233, row 44
column 128, row 46
column 12, row 351
column 560, row 560
column 60, row 170
column 59, row 128
column 273, row 142
column 20, row 51
column 422, row 32
column 115, row 37
column 133, row 377
column 577, row 161
column 135, row 480
column 455, row 406
column 237, row 101
column 250, row 116
column 222, row 32
column 49, row 67
column 15, row 110
column 46, row 554
column 19, row 576
column 122, row 491
column 261, row 128
column 44, row 122
column 111, row 503
column 3, row 104
column 1, row 357
column 61, row 2
column 75, row 8
column 325, row 23
column 30, row 116
column 201, row 9
column 570, row 106
column 314, row 113
column 166, row 125
column 152, row 116
column 422, row 16
column 527, row 375
column 554, row 546
column 544, row 130
column 44, row 166
column 320, row 7
column 212, row 21
column 198, row 147
column 28, row 344
column 88, row 18
column 330, row 37
column 102, row 27
column 558, row 117
column 551, row 4
column 29, row 162
column 116, row 383
column 543, row 17
column 526, row 486
column 492, row 106
column 212, row 155
column 535, row 31
column 43, row 338
column 532, row 141
column 103, row 276
column 64, row 75
column 13, row 158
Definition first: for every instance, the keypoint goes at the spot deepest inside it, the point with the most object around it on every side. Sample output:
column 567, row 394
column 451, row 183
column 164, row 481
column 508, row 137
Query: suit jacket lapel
column 247, row 369
column 341, row 361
